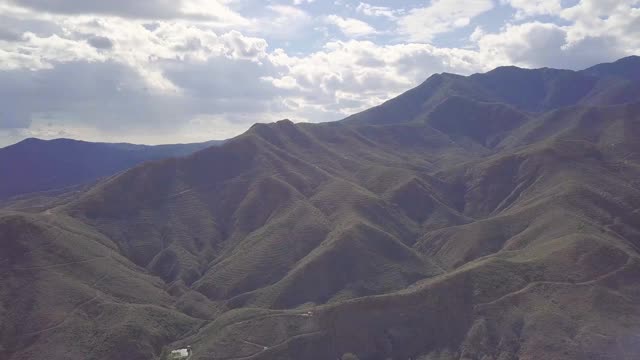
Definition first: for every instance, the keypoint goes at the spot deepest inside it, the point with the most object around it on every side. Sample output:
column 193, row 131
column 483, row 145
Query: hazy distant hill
column 39, row 165
column 495, row 216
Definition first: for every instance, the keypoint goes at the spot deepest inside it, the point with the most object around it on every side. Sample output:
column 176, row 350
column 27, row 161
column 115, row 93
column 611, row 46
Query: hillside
column 35, row 165
column 469, row 218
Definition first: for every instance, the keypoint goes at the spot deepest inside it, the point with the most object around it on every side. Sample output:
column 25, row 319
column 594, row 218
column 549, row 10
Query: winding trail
column 536, row 283
column 264, row 348
column 70, row 313
column 172, row 196
column 254, row 344
column 262, row 317
column 283, row 342
column 66, row 317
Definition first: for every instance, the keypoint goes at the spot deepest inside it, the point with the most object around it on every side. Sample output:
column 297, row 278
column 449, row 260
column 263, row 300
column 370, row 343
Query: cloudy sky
column 167, row 71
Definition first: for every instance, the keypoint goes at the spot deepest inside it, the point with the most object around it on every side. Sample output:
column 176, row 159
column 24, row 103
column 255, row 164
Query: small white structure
column 180, row 354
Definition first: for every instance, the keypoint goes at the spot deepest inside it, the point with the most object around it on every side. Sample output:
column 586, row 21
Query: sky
column 178, row 71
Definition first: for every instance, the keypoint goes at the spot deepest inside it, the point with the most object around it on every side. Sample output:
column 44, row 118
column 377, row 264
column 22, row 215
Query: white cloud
column 217, row 11
column 477, row 34
column 350, row 26
column 151, row 8
column 616, row 19
column 538, row 44
column 282, row 22
column 527, row 8
column 441, row 16
column 349, row 76
column 372, row 10
column 531, row 43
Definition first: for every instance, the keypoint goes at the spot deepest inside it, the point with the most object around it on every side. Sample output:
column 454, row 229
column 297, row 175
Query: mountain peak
column 30, row 140
column 285, row 122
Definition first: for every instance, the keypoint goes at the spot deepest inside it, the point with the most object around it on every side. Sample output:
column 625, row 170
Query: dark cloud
column 100, row 42
column 590, row 51
column 113, row 98
column 106, row 96
column 151, row 26
column 13, row 28
column 10, row 35
column 125, row 8
column 223, row 85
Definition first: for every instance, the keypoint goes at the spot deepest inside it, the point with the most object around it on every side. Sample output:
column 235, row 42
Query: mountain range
column 493, row 216
column 35, row 165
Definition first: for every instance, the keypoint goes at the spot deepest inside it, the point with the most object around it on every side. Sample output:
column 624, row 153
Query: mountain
column 457, row 221
column 528, row 90
column 35, row 165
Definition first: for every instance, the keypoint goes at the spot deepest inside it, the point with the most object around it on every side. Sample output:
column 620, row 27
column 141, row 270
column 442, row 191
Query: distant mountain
column 468, row 218
column 35, row 165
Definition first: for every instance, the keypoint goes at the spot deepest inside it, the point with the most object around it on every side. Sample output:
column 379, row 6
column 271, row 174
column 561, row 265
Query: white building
column 180, row 354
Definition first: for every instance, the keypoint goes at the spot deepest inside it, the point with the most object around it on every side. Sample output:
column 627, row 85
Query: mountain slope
column 63, row 283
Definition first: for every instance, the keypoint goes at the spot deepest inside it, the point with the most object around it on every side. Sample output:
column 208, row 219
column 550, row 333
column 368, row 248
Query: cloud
column 243, row 47
column 127, row 8
column 528, row 8
column 538, row 44
column 36, row 52
column 215, row 12
column 614, row 19
column 105, row 99
column 100, row 42
column 106, row 95
column 531, row 43
column 9, row 35
column 372, row 10
column 350, row 26
column 441, row 16
column 282, row 22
